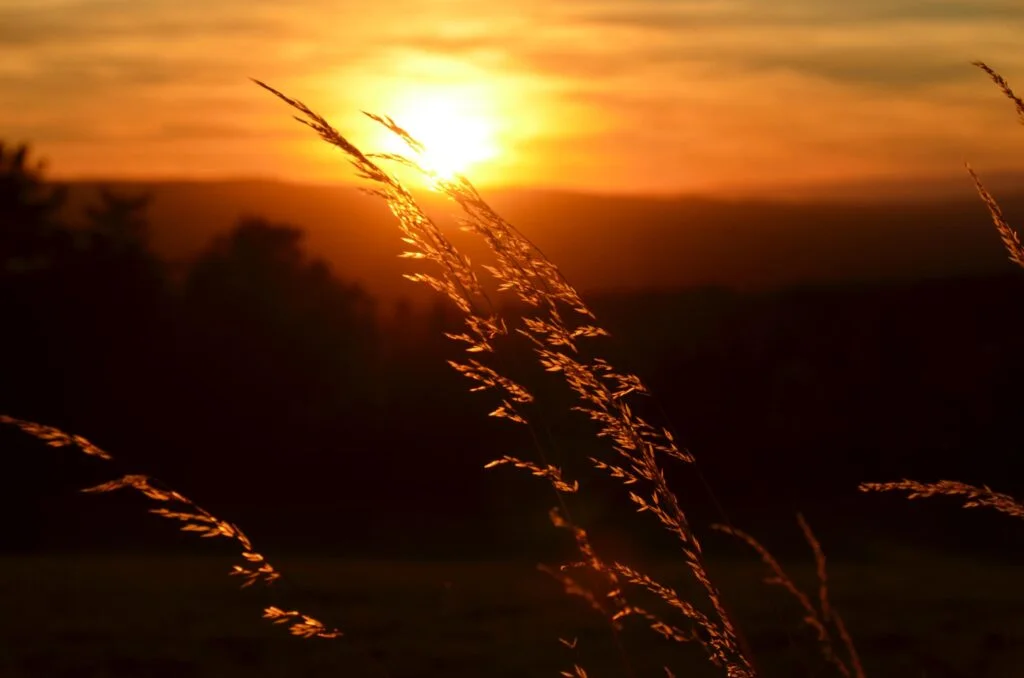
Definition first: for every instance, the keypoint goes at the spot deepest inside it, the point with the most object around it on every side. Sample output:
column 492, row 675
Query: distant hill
column 612, row 242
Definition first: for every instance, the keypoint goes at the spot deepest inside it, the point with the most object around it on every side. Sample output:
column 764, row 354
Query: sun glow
column 456, row 131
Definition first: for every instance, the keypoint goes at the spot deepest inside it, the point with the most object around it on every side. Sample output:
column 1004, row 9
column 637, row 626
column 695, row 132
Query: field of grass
column 160, row 616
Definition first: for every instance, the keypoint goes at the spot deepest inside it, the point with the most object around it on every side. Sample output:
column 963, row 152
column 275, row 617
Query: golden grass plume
column 193, row 518
column 1010, row 237
column 972, row 495
column 556, row 329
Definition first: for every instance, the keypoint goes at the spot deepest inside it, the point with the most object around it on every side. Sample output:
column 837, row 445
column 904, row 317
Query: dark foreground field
column 179, row 616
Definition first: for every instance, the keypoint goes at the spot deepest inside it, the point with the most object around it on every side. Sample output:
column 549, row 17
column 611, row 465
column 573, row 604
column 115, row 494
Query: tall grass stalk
column 558, row 327
column 193, row 518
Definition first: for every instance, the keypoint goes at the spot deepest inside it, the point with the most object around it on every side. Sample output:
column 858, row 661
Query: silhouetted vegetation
column 257, row 359
column 256, row 376
column 253, row 367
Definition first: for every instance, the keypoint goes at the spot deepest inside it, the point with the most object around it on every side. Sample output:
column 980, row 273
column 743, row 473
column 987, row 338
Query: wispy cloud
column 626, row 94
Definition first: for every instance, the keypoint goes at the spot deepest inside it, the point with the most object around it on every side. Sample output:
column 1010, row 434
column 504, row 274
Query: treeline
column 261, row 383
column 254, row 377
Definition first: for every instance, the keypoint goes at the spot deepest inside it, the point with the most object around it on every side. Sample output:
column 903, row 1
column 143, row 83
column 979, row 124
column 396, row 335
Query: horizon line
column 881, row 189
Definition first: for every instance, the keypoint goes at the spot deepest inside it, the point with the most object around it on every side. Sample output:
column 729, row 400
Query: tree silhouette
column 258, row 277
column 274, row 336
column 115, row 260
column 30, row 232
column 118, row 222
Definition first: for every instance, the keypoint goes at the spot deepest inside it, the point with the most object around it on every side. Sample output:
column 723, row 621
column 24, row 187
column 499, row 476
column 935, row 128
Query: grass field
column 178, row 616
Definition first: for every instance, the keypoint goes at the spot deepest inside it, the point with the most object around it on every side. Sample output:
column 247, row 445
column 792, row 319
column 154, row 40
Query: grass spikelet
column 577, row 672
column 193, row 518
column 573, row 587
column 973, row 496
column 551, row 472
column 197, row 519
column 1011, row 240
column 299, row 624
column 54, row 437
column 604, row 583
column 1001, row 83
column 714, row 639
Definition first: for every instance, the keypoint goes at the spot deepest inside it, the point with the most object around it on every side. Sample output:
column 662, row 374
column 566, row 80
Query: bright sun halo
column 456, row 134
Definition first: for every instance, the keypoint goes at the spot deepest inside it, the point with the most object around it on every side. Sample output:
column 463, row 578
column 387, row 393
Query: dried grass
column 1001, row 83
column 193, row 518
column 973, row 496
column 559, row 328
column 563, row 333
column 1011, row 240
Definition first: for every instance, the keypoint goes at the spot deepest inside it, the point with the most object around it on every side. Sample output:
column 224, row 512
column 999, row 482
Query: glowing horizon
column 594, row 95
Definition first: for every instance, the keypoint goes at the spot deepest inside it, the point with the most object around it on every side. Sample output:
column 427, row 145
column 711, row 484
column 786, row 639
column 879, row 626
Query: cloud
column 736, row 87
column 671, row 15
column 876, row 44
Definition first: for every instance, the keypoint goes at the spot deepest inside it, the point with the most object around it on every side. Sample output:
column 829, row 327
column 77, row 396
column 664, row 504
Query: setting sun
column 455, row 130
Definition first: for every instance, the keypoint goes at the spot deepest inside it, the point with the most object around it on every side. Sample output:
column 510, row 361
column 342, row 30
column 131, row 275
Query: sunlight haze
column 644, row 96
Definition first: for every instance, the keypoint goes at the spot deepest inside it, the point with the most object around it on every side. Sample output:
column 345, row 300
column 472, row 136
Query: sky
column 625, row 96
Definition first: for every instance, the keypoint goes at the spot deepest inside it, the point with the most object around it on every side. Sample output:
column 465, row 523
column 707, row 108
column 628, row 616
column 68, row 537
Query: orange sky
column 599, row 95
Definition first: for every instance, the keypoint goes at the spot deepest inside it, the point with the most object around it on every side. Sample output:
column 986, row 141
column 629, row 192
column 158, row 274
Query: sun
column 456, row 131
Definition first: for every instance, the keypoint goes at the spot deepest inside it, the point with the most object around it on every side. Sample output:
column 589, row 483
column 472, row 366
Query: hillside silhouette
column 239, row 342
column 606, row 242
